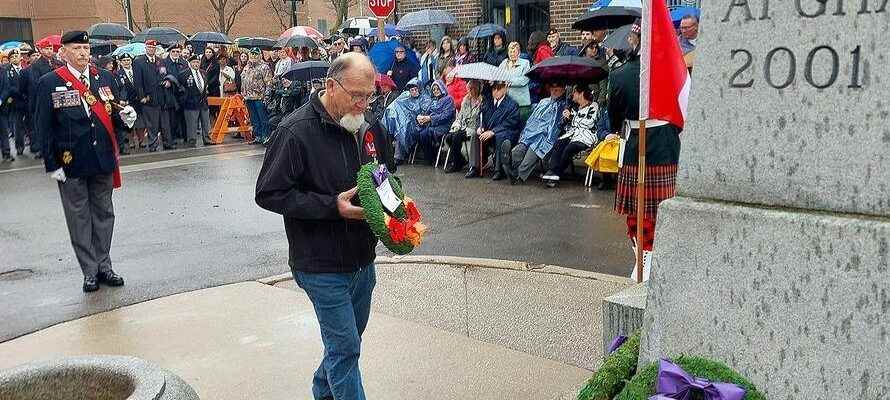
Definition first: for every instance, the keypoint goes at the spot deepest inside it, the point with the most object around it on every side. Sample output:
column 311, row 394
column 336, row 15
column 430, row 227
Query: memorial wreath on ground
column 681, row 377
column 393, row 217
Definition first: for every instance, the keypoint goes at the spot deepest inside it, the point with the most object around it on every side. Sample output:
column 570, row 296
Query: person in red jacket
column 456, row 87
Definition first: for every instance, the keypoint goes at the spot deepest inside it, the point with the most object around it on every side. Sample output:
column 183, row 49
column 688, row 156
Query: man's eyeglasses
column 357, row 99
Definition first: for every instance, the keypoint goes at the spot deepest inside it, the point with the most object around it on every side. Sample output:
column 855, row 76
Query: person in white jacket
column 518, row 87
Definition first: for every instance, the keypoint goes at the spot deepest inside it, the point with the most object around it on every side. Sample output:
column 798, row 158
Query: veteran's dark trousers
column 89, row 214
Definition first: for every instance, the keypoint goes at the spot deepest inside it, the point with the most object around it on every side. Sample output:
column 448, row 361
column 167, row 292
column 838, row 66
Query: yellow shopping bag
column 604, row 158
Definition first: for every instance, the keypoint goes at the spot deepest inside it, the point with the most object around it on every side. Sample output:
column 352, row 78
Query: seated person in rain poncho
column 433, row 123
column 400, row 118
column 541, row 131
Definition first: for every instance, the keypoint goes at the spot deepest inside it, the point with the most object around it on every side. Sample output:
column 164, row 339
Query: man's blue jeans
column 342, row 304
column 258, row 119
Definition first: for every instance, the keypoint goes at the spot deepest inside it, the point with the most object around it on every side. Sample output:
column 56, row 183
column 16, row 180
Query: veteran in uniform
column 75, row 118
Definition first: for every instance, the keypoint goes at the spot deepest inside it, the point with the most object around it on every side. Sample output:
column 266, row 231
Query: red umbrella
column 385, row 80
column 307, row 31
column 51, row 40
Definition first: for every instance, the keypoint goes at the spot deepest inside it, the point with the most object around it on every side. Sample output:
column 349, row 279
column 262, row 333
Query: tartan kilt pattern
column 661, row 184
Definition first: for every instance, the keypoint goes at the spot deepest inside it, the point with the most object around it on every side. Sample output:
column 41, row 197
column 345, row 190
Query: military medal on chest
column 90, row 98
column 67, row 157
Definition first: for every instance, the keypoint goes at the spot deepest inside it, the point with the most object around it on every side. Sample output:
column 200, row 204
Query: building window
column 18, row 29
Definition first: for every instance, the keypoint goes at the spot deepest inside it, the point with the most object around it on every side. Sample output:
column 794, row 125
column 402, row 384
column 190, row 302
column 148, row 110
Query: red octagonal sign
column 382, row 8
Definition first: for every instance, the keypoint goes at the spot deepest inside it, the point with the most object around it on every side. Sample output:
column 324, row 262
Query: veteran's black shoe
column 110, row 278
column 90, row 284
column 472, row 173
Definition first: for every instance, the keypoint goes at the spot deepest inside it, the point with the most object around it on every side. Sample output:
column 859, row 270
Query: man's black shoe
column 498, row 176
column 472, row 173
column 90, row 284
column 513, row 180
column 110, row 278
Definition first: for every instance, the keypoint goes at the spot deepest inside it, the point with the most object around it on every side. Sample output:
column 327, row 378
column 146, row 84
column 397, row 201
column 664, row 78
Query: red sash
column 97, row 108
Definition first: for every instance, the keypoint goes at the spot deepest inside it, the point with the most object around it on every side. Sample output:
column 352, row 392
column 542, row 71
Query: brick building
column 33, row 19
column 519, row 17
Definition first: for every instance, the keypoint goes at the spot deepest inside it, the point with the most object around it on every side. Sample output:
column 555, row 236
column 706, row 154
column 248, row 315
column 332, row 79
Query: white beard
column 352, row 122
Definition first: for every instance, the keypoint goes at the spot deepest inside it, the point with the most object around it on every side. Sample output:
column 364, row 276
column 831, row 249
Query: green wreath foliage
column 642, row 386
column 617, row 369
column 375, row 214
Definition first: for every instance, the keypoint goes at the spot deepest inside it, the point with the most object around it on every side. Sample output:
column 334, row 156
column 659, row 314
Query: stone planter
column 93, row 378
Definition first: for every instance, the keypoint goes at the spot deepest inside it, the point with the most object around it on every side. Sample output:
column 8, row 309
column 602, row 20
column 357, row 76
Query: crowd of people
column 516, row 129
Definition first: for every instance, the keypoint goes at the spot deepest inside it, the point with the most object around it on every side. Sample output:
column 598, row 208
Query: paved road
column 186, row 220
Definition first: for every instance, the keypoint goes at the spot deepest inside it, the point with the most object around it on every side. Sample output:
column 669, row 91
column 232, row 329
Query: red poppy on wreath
column 397, row 229
column 411, row 210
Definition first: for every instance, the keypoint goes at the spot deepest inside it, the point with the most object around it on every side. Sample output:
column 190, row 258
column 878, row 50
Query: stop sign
column 382, row 8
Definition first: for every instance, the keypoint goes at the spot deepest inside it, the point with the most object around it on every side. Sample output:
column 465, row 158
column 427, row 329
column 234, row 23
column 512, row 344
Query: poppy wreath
column 642, row 385
column 400, row 231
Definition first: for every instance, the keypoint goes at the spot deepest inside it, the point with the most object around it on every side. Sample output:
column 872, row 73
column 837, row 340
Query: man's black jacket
column 309, row 161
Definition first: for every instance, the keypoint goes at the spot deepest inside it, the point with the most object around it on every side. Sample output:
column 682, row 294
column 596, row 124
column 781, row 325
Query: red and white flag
column 664, row 80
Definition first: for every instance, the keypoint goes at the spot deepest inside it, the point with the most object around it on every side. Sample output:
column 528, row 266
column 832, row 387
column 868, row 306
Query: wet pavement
column 186, row 220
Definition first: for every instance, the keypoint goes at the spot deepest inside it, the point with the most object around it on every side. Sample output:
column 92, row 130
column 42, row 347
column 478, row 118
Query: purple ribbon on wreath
column 381, row 174
column 676, row 384
column 616, row 343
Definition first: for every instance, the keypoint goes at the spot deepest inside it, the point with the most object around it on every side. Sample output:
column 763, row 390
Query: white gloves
column 58, row 175
column 128, row 115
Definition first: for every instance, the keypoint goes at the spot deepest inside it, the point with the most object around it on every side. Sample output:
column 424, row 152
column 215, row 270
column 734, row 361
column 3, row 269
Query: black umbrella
column 485, row 30
column 609, row 17
column 164, row 35
column 110, row 31
column 100, row 47
column 296, row 41
column 258, row 42
column 210, row 37
column 569, row 70
column 307, row 70
column 617, row 40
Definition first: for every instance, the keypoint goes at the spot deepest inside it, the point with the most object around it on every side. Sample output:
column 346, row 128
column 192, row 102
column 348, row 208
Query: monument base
column 623, row 313
column 795, row 300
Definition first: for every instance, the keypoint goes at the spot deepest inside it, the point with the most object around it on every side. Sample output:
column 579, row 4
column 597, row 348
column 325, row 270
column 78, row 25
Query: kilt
column 661, row 184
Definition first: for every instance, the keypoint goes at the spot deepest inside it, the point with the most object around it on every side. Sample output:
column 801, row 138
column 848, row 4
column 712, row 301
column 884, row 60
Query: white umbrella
column 361, row 25
column 481, row 71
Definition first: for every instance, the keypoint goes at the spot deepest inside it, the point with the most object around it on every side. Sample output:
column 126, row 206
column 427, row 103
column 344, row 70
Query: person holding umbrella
column 580, row 133
column 498, row 52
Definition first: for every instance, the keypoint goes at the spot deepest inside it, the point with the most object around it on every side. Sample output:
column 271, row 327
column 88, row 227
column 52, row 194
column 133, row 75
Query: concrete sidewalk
column 255, row 341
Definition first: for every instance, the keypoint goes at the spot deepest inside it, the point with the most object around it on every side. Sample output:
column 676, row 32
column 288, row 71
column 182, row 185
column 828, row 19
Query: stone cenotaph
column 773, row 258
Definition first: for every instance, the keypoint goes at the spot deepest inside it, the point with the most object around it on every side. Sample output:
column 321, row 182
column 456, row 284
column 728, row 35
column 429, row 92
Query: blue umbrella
column 10, row 45
column 677, row 14
column 383, row 54
column 485, row 30
column 389, row 30
column 133, row 49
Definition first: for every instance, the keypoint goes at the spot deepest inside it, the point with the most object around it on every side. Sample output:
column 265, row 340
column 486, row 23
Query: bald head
column 352, row 63
column 350, row 85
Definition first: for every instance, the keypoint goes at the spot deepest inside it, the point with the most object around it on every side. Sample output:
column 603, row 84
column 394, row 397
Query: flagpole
column 641, row 196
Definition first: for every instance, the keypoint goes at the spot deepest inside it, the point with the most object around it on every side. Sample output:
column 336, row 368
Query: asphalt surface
column 186, row 220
